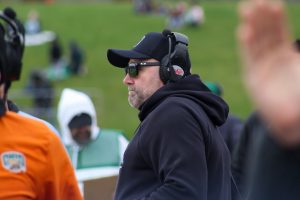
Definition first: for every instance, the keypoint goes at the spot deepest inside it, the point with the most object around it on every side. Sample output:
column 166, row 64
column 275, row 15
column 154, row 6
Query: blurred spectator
column 55, row 52
column 43, row 95
column 194, row 16
column 176, row 16
column 76, row 66
column 33, row 24
column 35, row 35
column 58, row 66
column 143, row 6
column 231, row 129
column 87, row 145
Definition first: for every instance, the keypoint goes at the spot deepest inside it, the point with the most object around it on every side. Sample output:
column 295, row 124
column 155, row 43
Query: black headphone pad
column 164, row 70
column 168, row 71
column 171, row 68
column 14, row 56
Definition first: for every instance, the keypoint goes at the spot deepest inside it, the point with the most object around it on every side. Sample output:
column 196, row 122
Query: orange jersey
column 33, row 162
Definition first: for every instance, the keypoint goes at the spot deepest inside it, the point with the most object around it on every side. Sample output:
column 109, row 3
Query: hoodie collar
column 190, row 87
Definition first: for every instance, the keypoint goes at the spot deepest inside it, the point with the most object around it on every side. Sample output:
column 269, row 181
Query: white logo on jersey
column 13, row 161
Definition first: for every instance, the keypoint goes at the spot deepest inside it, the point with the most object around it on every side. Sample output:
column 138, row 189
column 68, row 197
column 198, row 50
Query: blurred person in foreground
column 254, row 128
column 42, row 91
column 88, row 145
column 271, row 74
column 30, row 167
column 177, row 151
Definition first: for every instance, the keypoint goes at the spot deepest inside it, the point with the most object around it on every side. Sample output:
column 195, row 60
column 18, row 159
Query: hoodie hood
column 190, row 87
column 72, row 103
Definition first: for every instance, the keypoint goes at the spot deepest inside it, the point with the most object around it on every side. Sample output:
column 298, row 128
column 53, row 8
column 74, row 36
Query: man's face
column 141, row 87
column 81, row 135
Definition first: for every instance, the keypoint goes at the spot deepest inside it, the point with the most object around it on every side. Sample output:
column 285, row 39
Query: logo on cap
column 13, row 161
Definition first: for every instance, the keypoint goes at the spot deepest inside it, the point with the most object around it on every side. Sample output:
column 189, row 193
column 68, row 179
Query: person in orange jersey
column 33, row 162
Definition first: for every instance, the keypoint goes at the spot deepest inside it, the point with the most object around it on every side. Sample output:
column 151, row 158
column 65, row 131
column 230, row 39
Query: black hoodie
column 177, row 151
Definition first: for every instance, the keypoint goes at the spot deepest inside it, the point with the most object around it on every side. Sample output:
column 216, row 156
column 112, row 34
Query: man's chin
column 132, row 103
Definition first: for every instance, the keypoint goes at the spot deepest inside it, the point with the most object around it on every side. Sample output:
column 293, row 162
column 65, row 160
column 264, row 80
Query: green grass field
column 98, row 27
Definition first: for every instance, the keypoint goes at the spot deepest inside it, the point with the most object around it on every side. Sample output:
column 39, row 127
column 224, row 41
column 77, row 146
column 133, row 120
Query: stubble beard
column 135, row 99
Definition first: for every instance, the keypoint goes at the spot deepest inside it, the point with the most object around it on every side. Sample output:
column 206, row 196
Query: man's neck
column 3, row 103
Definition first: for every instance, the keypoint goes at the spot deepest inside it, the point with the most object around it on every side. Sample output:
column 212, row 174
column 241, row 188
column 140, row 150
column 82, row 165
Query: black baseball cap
column 152, row 45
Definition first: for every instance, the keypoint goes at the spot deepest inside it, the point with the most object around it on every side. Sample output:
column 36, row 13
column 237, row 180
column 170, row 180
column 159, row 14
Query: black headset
column 170, row 69
column 13, row 33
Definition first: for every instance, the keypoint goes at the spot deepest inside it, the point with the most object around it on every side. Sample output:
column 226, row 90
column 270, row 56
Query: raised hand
column 271, row 67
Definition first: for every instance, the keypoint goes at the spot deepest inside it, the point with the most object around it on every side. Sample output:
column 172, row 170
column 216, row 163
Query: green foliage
column 98, row 27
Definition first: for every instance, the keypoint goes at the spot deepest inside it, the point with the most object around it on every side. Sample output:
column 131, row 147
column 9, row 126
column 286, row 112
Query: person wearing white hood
column 87, row 144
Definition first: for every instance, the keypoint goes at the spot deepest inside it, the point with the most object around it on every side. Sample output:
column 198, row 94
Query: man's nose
column 128, row 80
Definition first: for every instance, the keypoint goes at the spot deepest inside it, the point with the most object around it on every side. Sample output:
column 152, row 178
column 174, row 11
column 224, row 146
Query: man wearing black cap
column 177, row 151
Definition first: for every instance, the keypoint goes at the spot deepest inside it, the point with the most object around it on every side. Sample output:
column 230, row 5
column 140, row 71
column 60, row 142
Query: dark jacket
column 231, row 130
column 177, row 152
column 262, row 168
column 245, row 150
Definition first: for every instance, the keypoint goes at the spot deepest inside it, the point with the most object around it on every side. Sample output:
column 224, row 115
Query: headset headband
column 180, row 38
column 9, row 16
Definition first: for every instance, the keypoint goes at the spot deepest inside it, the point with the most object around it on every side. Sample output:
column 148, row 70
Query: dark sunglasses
column 133, row 68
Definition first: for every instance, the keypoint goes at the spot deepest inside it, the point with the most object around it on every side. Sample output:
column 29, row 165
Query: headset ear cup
column 14, row 63
column 162, row 75
column 10, row 59
column 164, row 72
column 168, row 72
column 176, row 73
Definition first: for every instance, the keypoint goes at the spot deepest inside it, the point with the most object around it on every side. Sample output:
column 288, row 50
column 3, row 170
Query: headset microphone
column 168, row 34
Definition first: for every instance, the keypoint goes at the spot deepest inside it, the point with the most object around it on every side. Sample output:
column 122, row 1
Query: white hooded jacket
column 72, row 103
